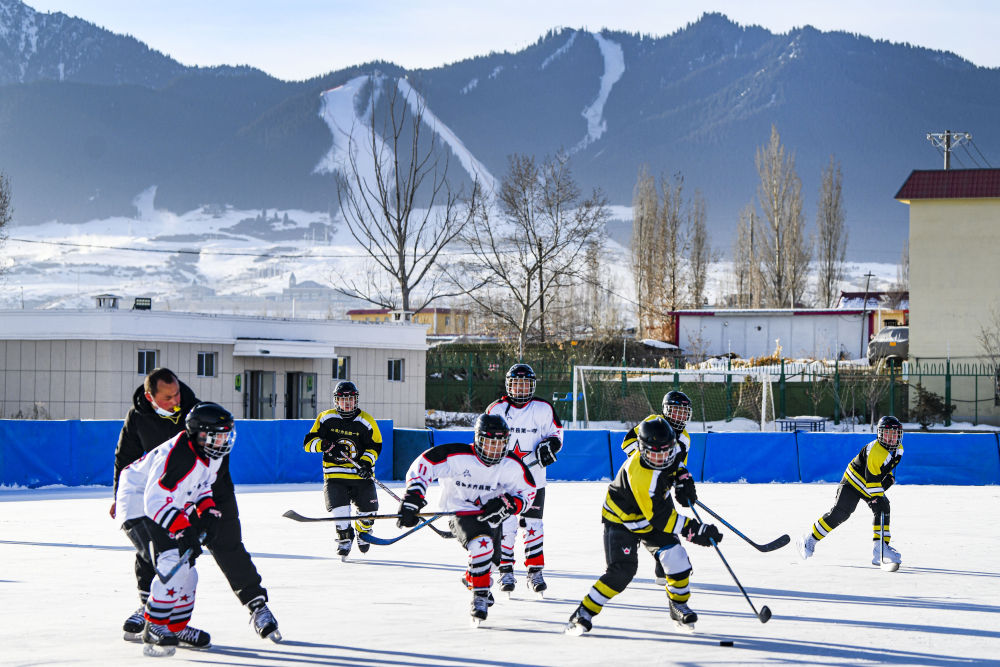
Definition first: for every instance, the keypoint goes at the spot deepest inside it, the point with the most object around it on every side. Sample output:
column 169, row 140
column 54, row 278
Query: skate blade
column 274, row 637
column 344, row 558
column 685, row 627
column 475, row 621
column 134, row 637
column 574, row 629
column 540, row 595
column 890, row 567
column 154, row 651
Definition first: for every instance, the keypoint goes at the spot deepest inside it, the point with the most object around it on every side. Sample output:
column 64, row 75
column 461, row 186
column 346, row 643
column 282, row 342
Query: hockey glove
column 188, row 538
column 411, row 504
column 208, row 523
column 701, row 534
column 497, row 509
column 546, row 452
column 364, row 469
column 684, row 489
column 888, row 481
column 334, row 449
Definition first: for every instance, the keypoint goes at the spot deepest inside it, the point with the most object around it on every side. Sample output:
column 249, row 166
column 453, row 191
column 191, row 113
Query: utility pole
column 947, row 141
column 864, row 307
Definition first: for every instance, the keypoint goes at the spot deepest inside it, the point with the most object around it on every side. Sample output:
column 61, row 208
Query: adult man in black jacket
column 159, row 408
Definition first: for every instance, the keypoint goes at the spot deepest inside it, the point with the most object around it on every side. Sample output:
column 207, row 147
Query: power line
column 980, row 153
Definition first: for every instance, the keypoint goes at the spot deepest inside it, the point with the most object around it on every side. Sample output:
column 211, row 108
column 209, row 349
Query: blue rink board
column 75, row 453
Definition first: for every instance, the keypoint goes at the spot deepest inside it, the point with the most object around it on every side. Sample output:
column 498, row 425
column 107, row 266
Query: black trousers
column 621, row 553
column 227, row 548
column 340, row 492
column 847, row 501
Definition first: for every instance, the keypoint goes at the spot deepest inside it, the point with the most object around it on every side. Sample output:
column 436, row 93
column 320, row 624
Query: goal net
column 623, row 394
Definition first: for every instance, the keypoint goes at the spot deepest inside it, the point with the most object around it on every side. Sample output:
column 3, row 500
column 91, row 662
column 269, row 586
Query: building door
column 300, row 403
column 259, row 397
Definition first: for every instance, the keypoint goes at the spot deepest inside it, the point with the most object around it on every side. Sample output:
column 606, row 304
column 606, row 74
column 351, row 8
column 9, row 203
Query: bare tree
column 526, row 242
column 831, row 235
column 647, row 252
column 397, row 202
column 6, row 212
column 674, row 240
column 746, row 277
column 700, row 251
column 779, row 195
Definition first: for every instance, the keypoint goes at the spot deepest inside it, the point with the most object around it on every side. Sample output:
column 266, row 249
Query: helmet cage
column 346, row 404
column 678, row 415
column 658, row 457
column 521, row 389
column 491, row 447
column 216, row 444
column 890, row 437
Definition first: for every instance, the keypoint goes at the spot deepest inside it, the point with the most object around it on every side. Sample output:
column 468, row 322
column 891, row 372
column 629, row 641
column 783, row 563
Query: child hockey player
column 637, row 509
column 485, row 485
column 165, row 500
column 342, row 433
column 536, row 438
column 868, row 476
column 677, row 412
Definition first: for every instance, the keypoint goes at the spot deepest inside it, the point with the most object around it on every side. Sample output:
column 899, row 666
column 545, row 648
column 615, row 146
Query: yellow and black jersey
column 631, row 442
column 360, row 435
column 869, row 469
column 639, row 499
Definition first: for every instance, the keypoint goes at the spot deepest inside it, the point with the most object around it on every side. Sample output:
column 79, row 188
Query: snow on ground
column 67, row 586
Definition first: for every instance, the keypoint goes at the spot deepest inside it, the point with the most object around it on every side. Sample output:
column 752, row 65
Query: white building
column 86, row 364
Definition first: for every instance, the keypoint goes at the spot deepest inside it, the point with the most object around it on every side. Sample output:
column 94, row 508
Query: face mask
column 160, row 411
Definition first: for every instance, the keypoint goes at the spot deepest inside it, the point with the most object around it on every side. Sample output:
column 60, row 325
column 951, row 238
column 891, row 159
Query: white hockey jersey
column 466, row 482
column 529, row 424
column 167, row 484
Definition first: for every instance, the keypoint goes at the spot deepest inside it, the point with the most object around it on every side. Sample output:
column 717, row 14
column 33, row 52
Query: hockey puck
column 726, row 642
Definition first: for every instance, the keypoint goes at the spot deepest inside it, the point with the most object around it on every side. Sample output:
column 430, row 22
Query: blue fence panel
column 617, row 453
column 446, row 436
column 408, row 443
column 92, row 450
column 823, row 457
column 584, row 456
column 949, row 458
column 37, row 453
column 751, row 457
column 696, row 457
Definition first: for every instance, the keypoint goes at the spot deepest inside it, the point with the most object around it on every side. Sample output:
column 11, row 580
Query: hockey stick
column 295, row 516
column 165, row 577
column 764, row 615
column 443, row 533
column 770, row 546
column 371, row 539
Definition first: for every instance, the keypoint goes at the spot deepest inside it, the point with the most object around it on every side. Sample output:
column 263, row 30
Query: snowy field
column 67, row 585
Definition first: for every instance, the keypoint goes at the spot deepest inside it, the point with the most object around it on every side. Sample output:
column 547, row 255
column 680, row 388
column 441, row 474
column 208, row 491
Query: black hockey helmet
column 520, row 384
column 491, row 437
column 657, row 443
column 345, row 399
column 890, row 432
column 677, row 409
column 210, row 427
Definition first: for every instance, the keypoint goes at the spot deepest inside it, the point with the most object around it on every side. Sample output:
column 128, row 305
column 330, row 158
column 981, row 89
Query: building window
column 395, row 370
column 147, row 362
column 447, row 320
column 206, row 364
column 341, row 368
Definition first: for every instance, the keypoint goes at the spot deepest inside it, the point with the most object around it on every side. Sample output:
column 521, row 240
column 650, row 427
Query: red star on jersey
column 520, row 453
column 531, row 532
column 484, row 542
column 171, row 592
column 184, row 598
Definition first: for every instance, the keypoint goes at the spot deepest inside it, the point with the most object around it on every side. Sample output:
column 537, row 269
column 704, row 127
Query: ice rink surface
column 67, row 585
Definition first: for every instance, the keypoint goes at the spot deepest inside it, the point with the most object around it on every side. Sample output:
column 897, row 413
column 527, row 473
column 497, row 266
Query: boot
column 134, row 625
column 507, row 580
column 192, row 637
column 806, row 545
column 345, row 538
column 535, row 581
column 158, row 640
column 263, row 620
column 479, row 608
column 581, row 621
column 682, row 615
column 886, row 555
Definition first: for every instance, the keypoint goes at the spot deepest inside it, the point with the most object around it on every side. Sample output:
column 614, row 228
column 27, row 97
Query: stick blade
column 776, row 544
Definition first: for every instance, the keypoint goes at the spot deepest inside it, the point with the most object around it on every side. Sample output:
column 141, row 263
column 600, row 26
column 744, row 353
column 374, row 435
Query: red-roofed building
column 954, row 273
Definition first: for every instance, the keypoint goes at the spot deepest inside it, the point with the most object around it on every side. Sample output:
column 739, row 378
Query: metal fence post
column 947, row 392
column 836, row 392
column 781, row 391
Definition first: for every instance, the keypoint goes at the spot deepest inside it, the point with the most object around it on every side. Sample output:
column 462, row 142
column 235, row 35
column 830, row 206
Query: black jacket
column 143, row 430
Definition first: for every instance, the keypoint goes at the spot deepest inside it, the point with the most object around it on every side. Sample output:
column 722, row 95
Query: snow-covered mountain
column 89, row 120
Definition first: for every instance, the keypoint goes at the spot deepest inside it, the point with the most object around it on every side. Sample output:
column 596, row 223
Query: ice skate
column 363, row 546
column 480, row 607
column 345, row 538
column 579, row 622
column 805, row 545
column 682, row 616
column 264, row 623
column 536, row 583
column 191, row 637
column 158, row 641
column 133, row 626
column 886, row 557
column 507, row 580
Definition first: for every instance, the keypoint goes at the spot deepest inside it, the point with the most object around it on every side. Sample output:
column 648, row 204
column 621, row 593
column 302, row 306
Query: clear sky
column 299, row 39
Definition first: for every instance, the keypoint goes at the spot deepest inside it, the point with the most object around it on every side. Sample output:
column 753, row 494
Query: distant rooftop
column 951, row 184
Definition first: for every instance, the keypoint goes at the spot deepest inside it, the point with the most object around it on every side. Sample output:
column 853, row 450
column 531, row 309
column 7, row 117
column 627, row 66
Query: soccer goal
column 624, row 394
